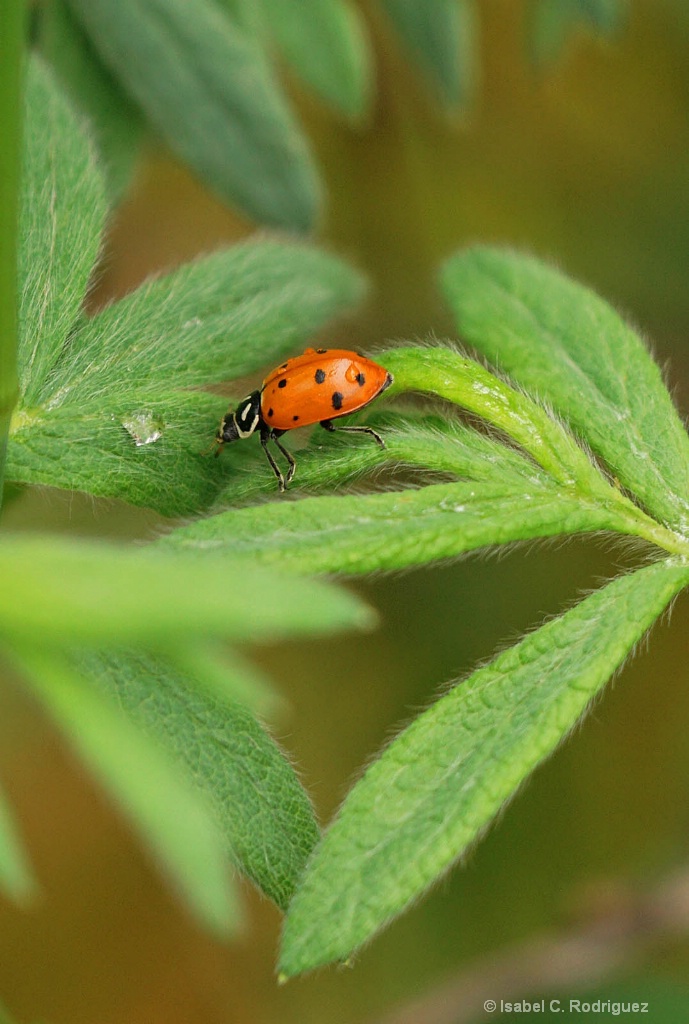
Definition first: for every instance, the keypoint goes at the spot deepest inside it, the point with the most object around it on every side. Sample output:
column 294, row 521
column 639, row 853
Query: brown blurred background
column 588, row 164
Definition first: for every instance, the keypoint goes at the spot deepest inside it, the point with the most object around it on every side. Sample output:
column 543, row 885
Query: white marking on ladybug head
column 247, row 416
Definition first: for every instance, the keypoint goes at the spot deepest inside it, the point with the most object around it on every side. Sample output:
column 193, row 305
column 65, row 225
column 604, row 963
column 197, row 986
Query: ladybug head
column 242, row 422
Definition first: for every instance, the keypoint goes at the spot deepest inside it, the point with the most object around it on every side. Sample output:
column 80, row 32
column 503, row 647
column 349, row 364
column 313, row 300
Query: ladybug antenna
column 215, row 446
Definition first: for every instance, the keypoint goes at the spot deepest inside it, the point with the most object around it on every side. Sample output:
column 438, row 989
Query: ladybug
column 316, row 387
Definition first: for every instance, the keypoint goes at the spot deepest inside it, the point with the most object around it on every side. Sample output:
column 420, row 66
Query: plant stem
column 12, row 26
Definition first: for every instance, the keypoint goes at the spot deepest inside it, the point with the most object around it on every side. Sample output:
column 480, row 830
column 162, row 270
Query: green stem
column 12, row 27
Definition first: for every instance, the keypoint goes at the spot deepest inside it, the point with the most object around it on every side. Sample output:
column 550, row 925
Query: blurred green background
column 587, row 163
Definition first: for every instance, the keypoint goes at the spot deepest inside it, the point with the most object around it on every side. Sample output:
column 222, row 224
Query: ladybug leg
column 271, row 435
column 328, row 425
column 290, row 458
column 273, row 464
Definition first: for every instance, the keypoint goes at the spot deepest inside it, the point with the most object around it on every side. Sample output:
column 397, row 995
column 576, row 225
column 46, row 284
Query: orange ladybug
column 316, row 387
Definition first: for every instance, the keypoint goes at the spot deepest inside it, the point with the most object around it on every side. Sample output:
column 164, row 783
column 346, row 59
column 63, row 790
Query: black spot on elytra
column 337, row 399
column 270, row 412
column 360, row 379
column 282, row 383
column 319, row 376
column 295, row 418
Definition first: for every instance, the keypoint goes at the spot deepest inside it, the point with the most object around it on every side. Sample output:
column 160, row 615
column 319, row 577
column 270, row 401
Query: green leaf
column 510, row 499
column 552, row 22
column 437, row 444
column 260, row 806
column 445, row 373
column 325, row 41
column 441, row 35
column 67, row 592
column 440, row 782
column 561, row 341
column 117, row 123
column 110, row 421
column 16, row 876
column 148, row 447
column 214, row 319
column 62, row 216
column 207, row 89
column 367, row 533
column 169, row 814
column 12, row 45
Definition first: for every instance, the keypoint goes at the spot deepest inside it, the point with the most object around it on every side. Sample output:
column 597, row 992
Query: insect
column 316, row 387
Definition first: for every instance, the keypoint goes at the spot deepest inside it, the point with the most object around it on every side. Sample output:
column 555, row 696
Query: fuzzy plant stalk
column 11, row 57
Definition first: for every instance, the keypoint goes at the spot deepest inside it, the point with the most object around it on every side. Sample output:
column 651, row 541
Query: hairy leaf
column 205, row 86
column 259, row 804
column 113, row 419
column 62, row 216
column 366, row 533
column 564, row 343
column 428, row 442
column 148, row 447
column 445, row 373
column 441, row 371
column 214, row 319
column 438, row 784
column 12, row 33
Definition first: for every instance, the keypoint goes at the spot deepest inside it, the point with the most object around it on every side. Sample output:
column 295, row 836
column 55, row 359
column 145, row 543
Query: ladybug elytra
column 316, row 387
